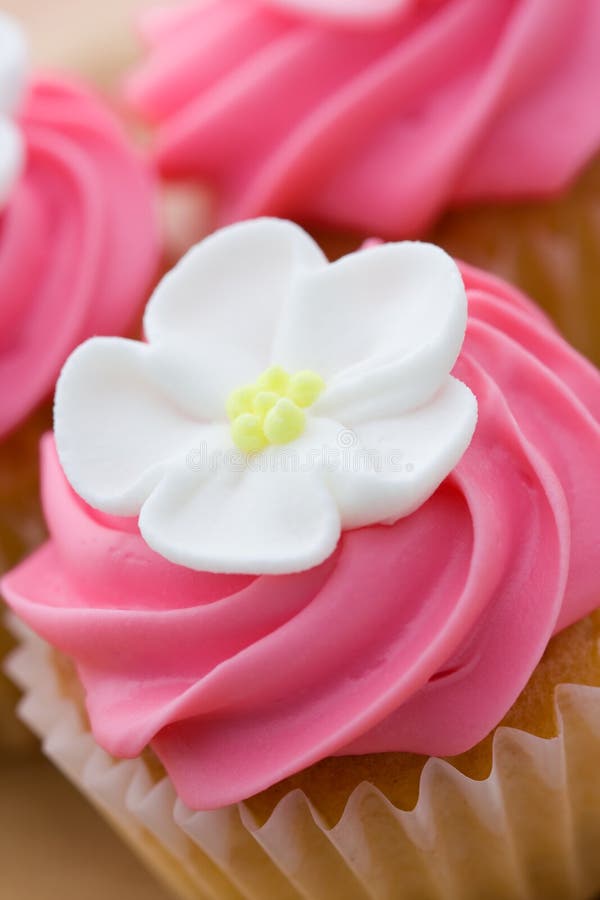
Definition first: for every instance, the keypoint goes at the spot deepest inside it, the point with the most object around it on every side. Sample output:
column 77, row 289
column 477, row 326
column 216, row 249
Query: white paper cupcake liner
column 529, row 830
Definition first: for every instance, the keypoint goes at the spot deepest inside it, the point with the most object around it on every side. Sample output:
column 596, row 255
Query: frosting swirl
column 417, row 636
column 297, row 108
column 78, row 240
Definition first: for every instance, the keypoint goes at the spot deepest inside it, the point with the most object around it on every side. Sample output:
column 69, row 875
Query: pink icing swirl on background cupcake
column 373, row 118
column 417, row 636
column 78, row 240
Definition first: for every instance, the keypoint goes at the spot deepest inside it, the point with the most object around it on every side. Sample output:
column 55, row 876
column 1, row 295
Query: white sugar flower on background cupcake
column 258, row 348
column 350, row 11
column 13, row 75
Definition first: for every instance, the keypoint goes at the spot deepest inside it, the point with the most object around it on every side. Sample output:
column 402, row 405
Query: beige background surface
column 95, row 38
column 53, row 845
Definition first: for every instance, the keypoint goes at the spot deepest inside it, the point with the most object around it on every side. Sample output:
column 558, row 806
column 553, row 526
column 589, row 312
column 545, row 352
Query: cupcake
column 360, row 118
column 78, row 250
column 327, row 526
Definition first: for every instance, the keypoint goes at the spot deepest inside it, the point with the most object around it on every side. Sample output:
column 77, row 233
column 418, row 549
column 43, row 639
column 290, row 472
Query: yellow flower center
column 271, row 411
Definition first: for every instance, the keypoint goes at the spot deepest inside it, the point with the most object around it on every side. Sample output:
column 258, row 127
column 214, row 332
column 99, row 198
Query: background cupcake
column 78, row 856
column 343, row 654
column 374, row 119
column 79, row 247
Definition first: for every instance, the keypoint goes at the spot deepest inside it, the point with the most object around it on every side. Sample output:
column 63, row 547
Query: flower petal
column 117, row 429
column 390, row 467
column 383, row 327
column 236, row 519
column 219, row 306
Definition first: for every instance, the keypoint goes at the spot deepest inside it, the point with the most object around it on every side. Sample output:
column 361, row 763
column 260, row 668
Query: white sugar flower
column 347, row 10
column 13, row 70
column 291, row 372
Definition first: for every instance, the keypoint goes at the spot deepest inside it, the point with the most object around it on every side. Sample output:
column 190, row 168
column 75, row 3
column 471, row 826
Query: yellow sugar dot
column 284, row 422
column 240, row 401
column 273, row 379
column 247, row 433
column 305, row 387
column 270, row 411
column 263, row 402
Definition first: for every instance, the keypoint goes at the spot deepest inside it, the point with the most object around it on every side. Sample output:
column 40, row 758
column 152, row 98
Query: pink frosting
column 373, row 126
column 78, row 241
column 417, row 636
